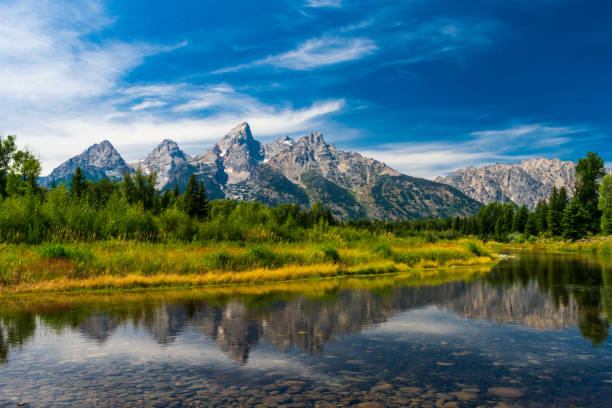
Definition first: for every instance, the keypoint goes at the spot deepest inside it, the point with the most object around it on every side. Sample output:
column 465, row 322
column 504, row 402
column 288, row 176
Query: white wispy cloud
column 442, row 38
column 512, row 144
column 146, row 104
column 323, row 3
column 62, row 92
column 314, row 53
column 196, row 117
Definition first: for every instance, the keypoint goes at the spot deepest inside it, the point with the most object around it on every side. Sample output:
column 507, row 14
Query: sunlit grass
column 597, row 245
column 132, row 264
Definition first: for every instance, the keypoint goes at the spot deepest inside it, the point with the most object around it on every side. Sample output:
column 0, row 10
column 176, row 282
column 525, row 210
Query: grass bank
column 126, row 264
column 598, row 245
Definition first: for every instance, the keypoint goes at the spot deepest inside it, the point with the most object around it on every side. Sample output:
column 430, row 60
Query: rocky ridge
column 523, row 183
column 301, row 171
column 97, row 162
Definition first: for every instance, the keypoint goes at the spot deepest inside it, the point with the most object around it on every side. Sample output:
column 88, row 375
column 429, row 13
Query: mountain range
column 301, row 171
column 523, row 183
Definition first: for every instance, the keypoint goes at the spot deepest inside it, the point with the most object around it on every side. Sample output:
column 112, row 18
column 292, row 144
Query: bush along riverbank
column 132, row 264
column 596, row 245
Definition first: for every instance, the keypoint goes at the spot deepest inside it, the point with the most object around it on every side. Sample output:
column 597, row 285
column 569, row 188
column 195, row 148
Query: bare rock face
column 170, row 163
column 301, row 171
column 240, row 153
column 353, row 186
column 523, row 183
column 97, row 162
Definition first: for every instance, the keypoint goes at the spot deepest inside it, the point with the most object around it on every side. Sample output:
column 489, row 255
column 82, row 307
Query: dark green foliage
column 195, row 201
column 575, row 220
column 520, row 219
column 531, row 226
column 24, row 173
column 541, row 217
column 54, row 252
column 605, row 204
column 330, row 254
column 98, row 193
column 556, row 207
column 495, row 220
column 8, row 147
column 78, row 184
column 589, row 172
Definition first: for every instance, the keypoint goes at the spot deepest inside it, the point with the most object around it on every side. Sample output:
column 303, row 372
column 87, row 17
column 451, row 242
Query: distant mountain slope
column 301, row 171
column 523, row 183
column 97, row 162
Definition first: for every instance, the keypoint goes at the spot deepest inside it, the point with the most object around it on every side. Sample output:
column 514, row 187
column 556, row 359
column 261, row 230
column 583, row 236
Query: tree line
column 587, row 212
column 134, row 208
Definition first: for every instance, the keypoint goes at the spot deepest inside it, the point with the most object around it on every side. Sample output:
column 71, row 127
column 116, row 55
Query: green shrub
column 330, row 254
column 51, row 251
column 383, row 249
column 220, row 259
column 259, row 256
column 477, row 249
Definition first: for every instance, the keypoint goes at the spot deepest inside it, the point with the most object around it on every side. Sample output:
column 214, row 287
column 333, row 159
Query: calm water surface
column 533, row 332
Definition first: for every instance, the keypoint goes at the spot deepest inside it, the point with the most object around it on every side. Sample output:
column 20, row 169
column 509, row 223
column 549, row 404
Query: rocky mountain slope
column 299, row 171
column 97, row 162
column 523, row 183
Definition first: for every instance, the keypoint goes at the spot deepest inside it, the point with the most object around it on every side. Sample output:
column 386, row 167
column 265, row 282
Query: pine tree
column 605, row 204
column 520, row 219
column 188, row 199
column 541, row 215
column 176, row 191
column 531, row 226
column 556, row 206
column 201, row 203
column 78, row 184
column 575, row 220
column 588, row 173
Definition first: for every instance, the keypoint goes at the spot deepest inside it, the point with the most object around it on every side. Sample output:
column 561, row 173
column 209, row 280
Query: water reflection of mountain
column 548, row 292
column 522, row 305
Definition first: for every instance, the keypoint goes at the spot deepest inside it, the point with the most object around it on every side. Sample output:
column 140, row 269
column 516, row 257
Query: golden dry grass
column 129, row 264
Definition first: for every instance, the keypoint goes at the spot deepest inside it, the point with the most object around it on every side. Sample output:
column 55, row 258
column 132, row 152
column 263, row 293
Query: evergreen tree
column 556, row 206
column 575, row 220
column 531, row 226
column 78, row 184
column 541, row 215
column 520, row 219
column 202, row 205
column 605, row 204
column 189, row 200
column 176, row 191
column 588, row 173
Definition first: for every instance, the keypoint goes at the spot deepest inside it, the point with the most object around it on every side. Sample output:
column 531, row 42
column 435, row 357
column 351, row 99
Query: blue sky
column 426, row 86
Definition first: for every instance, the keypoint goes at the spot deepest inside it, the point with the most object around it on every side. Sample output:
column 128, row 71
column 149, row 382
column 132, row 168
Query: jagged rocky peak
column 240, row 140
column 101, row 154
column 97, row 162
column 280, row 145
column 169, row 147
column 523, row 183
column 170, row 163
column 240, row 153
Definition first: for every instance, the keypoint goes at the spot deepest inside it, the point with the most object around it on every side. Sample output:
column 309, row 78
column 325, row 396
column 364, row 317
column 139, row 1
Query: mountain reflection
column 539, row 291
